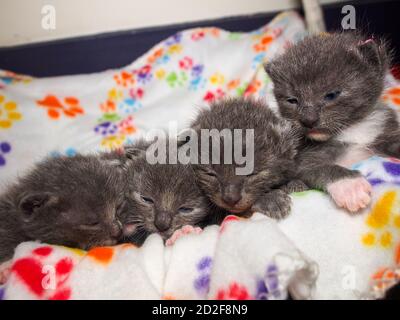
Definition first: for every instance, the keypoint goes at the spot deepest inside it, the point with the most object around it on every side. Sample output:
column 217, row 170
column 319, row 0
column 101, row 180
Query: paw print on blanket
column 264, row 41
column 392, row 96
column 202, row 282
column 176, row 79
column 124, row 79
column 386, row 277
column 383, row 221
column 5, row 148
column 42, row 280
column 268, row 287
column 69, row 152
column 235, row 291
column 69, row 106
column 211, row 95
column 8, row 78
column 8, row 113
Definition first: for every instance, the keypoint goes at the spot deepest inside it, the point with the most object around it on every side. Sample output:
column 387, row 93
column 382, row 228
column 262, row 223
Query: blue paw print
column 5, row 148
column 202, row 282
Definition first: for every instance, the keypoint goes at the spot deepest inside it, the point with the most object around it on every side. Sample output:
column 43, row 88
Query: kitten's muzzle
column 163, row 221
column 309, row 121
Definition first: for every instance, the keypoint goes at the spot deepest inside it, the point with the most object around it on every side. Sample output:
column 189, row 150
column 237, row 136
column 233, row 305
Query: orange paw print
column 253, row 87
column 124, row 79
column 392, row 95
column 8, row 113
column 265, row 40
column 69, row 106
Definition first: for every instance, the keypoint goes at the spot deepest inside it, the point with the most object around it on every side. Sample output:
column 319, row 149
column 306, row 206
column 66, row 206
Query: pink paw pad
column 352, row 194
column 181, row 233
column 5, row 271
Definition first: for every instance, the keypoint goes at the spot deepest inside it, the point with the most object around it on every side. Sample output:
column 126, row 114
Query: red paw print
column 211, row 96
column 33, row 273
column 235, row 292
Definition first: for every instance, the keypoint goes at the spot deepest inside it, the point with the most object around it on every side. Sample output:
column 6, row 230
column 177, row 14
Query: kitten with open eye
column 274, row 145
column 331, row 86
column 71, row 201
column 161, row 198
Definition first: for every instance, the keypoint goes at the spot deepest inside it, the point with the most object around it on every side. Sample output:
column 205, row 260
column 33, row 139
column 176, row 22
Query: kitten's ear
column 374, row 53
column 31, row 204
column 269, row 69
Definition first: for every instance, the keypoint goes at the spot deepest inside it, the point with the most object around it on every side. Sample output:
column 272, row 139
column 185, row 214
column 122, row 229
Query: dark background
column 117, row 49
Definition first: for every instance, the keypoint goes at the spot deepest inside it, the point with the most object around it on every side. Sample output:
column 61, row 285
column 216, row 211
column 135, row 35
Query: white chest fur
column 359, row 137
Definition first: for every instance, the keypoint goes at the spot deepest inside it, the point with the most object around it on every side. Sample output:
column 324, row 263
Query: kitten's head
column 70, row 201
column 329, row 82
column 274, row 147
column 161, row 198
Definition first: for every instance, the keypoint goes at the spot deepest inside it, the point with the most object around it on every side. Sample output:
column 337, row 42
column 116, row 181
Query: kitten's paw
column 5, row 271
column 352, row 194
column 275, row 204
column 295, row 186
column 181, row 233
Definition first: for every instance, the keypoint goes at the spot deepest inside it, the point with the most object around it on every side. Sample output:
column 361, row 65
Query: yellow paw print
column 113, row 142
column 160, row 74
column 217, row 79
column 175, row 48
column 115, row 95
column 8, row 113
column 383, row 219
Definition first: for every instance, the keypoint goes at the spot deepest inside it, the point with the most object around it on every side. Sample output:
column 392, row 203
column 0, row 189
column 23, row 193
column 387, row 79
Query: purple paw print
column 269, row 285
column 106, row 128
column 202, row 282
column 5, row 147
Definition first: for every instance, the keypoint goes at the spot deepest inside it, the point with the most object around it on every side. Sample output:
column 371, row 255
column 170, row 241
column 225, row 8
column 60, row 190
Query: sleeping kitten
column 275, row 143
column 330, row 85
column 63, row 201
column 161, row 198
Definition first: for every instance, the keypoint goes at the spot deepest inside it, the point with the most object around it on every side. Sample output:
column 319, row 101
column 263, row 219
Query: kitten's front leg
column 348, row 188
column 275, row 204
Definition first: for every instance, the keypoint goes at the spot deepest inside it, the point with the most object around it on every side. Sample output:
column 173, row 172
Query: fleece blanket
column 216, row 264
column 357, row 256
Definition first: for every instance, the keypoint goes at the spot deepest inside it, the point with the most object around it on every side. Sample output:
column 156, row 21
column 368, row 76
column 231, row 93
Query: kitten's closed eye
column 332, row 95
column 90, row 226
column 185, row 210
column 147, row 200
column 292, row 100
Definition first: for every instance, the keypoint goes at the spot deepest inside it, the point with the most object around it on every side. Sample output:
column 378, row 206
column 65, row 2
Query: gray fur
column 352, row 68
column 65, row 201
column 275, row 148
column 161, row 198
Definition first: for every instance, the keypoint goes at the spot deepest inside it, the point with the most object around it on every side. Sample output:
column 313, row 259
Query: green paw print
column 176, row 79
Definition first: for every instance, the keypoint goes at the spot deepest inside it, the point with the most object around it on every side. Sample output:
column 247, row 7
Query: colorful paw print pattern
column 69, row 152
column 235, row 291
column 8, row 113
column 392, row 96
column 268, row 287
column 68, row 106
column 386, row 277
column 202, row 282
column 5, row 148
column 383, row 221
column 31, row 272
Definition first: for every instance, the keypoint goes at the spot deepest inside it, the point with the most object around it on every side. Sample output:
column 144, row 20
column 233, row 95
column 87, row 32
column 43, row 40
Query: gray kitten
column 331, row 85
column 275, row 143
column 161, row 198
column 64, row 201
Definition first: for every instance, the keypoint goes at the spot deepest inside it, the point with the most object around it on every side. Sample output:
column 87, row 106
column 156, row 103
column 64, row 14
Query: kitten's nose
column 309, row 121
column 232, row 195
column 163, row 221
column 116, row 229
